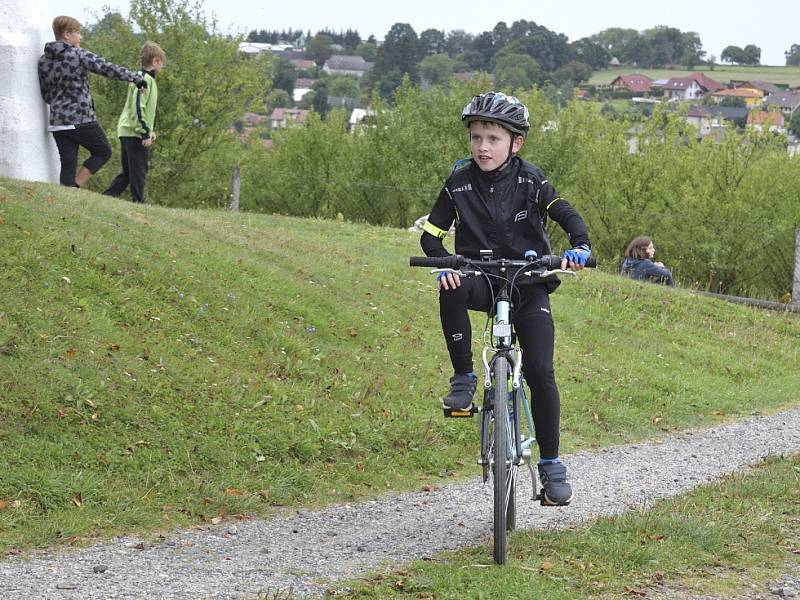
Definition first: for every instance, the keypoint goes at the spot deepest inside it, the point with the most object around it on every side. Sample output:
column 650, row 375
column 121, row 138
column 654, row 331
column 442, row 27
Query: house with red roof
column 691, row 87
column 682, row 88
column 710, row 85
column 636, row 83
column 763, row 119
column 281, row 117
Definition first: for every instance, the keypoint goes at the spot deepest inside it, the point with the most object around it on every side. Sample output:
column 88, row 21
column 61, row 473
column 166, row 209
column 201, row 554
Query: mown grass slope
column 162, row 366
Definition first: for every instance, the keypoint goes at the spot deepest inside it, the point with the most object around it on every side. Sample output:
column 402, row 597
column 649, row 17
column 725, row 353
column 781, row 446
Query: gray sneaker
column 462, row 389
column 556, row 491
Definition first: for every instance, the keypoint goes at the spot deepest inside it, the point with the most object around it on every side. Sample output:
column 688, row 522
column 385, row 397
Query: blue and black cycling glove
column 578, row 255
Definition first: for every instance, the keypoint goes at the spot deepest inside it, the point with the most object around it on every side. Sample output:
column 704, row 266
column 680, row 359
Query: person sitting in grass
column 639, row 264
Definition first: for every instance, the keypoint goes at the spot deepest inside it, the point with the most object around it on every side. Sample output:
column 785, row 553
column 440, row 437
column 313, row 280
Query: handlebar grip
column 437, row 262
column 554, row 262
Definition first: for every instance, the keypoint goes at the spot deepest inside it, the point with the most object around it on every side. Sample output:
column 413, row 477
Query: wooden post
column 235, row 185
column 796, row 285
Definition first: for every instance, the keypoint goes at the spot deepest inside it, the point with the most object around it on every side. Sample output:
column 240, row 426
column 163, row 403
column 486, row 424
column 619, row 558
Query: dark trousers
column 91, row 137
column 533, row 324
column 134, row 169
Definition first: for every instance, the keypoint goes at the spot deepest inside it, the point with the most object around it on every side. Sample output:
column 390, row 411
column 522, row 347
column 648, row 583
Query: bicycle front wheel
column 501, row 469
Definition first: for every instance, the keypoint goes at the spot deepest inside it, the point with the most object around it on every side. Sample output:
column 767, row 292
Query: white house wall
column 27, row 150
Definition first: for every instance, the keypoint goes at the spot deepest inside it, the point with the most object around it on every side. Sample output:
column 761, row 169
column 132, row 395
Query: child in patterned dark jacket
column 64, row 84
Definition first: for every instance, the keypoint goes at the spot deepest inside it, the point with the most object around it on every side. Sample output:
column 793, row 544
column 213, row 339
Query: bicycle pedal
column 459, row 414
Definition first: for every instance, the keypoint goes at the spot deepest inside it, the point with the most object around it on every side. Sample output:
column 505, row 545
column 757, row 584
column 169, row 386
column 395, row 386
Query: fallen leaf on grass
column 78, row 500
column 233, row 491
column 629, row 591
column 2, row 504
column 546, row 566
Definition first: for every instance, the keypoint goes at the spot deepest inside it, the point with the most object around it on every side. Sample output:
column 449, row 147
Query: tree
column 458, row 42
column 794, row 124
column 616, row 41
column 283, row 74
column 793, row 56
column 396, row 56
column 367, row 50
column 431, row 41
column 351, row 40
column 277, row 98
column 343, row 85
column 573, row 72
column 693, row 52
column 591, row 53
column 666, row 45
column 320, row 98
column 752, row 54
column 437, row 68
column 514, row 71
column 318, row 48
column 733, row 54
column 549, row 49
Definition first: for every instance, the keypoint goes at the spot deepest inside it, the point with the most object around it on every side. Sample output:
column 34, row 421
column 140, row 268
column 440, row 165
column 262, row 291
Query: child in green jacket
column 135, row 126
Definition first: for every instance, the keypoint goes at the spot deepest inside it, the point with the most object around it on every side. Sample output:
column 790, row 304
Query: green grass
column 722, row 73
column 161, row 367
column 715, row 540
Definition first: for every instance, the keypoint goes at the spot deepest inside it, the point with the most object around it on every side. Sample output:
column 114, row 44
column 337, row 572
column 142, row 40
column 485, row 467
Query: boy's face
column 73, row 38
column 490, row 144
column 157, row 65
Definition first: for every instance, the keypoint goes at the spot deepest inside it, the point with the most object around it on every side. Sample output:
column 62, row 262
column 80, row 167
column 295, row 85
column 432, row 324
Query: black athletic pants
column 91, row 137
column 134, row 169
column 533, row 324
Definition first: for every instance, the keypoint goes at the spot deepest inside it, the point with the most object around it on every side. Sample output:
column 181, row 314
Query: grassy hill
column 723, row 73
column 162, row 366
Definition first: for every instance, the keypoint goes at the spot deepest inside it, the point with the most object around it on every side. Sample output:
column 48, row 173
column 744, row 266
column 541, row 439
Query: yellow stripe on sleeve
column 553, row 202
column 434, row 230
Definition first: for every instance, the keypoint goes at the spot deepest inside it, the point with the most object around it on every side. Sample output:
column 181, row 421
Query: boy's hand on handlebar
column 575, row 258
column 448, row 280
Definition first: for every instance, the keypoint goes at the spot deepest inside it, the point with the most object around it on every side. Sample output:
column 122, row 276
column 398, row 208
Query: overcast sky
column 769, row 24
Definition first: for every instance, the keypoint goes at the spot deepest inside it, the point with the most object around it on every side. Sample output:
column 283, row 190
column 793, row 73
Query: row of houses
column 696, row 86
column 766, row 105
column 338, row 64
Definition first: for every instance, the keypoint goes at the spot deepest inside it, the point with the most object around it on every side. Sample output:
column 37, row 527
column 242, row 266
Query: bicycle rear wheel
column 502, row 474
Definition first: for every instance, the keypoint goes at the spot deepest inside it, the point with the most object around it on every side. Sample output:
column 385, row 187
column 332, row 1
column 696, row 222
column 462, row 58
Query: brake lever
column 548, row 272
column 448, row 270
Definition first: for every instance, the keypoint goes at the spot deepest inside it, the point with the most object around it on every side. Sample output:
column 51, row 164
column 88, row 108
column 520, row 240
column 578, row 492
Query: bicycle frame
column 502, row 335
column 505, row 443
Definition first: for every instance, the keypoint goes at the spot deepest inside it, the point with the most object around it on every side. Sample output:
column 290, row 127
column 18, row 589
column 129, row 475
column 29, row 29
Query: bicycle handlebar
column 455, row 261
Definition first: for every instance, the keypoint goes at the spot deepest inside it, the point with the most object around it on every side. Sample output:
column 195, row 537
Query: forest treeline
column 524, row 53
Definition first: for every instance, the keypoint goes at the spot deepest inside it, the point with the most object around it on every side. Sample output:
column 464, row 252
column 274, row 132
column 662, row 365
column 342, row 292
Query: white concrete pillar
column 27, row 150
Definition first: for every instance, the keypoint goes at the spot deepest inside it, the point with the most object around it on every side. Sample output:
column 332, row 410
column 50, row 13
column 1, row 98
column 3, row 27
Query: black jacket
column 505, row 211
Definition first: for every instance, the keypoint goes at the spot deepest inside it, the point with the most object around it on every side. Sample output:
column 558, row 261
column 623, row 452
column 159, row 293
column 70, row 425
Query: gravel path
column 308, row 552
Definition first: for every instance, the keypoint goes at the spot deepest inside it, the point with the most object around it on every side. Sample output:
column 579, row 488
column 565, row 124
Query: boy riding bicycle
column 501, row 203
